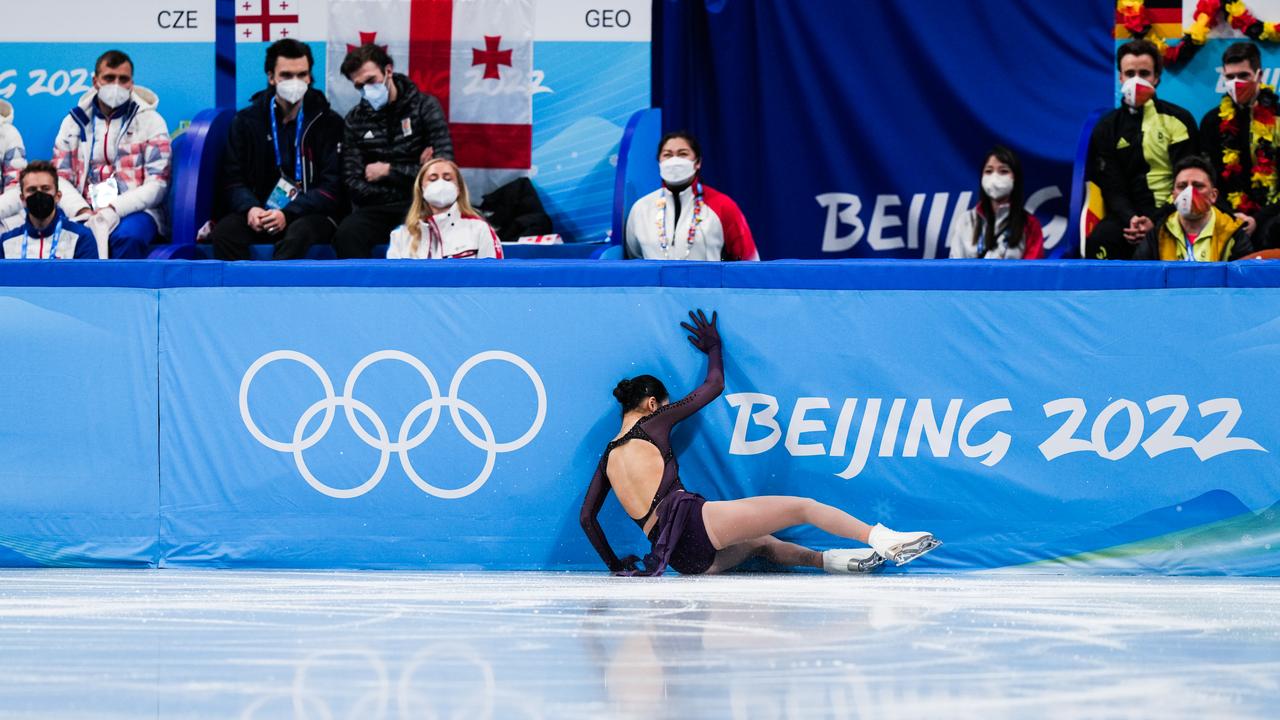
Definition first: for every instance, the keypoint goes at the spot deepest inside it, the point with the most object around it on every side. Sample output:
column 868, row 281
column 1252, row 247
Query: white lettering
column 881, row 221
column 870, row 416
column 994, row 448
column 739, row 445
column 836, row 215
column 922, row 421
column 801, row 425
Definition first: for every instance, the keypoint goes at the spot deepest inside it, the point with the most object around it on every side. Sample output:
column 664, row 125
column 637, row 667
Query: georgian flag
column 475, row 56
column 269, row 20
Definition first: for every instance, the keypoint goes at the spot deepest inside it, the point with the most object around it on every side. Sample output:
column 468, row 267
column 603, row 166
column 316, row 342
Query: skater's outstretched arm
column 704, row 335
column 596, row 494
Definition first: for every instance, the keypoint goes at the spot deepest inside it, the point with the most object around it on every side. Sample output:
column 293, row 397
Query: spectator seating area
column 197, row 155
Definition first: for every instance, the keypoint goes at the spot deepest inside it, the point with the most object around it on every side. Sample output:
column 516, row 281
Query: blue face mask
column 375, row 94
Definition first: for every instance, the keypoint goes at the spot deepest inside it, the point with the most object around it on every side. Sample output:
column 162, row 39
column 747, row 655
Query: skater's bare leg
column 729, row 522
column 771, row 549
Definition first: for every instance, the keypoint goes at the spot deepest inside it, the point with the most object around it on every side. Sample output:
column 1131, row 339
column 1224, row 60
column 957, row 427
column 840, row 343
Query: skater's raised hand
column 703, row 333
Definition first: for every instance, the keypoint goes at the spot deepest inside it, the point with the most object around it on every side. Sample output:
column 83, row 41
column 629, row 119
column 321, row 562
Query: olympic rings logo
column 381, row 439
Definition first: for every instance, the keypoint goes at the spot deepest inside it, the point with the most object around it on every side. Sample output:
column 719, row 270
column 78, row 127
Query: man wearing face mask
column 47, row 233
column 1190, row 228
column 1132, row 153
column 685, row 219
column 282, row 172
column 1227, row 134
column 112, row 151
column 390, row 134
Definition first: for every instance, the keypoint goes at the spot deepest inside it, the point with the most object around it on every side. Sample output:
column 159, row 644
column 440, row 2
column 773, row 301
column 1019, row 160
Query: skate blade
column 865, row 565
column 912, row 550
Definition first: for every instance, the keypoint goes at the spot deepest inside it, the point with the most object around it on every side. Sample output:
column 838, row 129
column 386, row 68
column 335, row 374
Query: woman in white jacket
column 441, row 222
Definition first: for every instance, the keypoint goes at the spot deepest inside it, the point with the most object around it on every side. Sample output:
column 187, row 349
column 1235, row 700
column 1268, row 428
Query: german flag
column 1165, row 17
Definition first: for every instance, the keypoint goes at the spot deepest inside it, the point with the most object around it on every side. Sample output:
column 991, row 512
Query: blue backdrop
column 1036, row 429
column 854, row 129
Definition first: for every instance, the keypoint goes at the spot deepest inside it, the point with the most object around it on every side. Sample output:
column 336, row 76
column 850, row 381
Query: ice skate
column 901, row 547
column 856, row 560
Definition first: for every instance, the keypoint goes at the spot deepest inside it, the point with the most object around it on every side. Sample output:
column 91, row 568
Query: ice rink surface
column 371, row 645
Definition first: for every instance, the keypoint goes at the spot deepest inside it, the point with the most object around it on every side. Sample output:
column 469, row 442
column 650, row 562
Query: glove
column 703, row 334
column 627, row 565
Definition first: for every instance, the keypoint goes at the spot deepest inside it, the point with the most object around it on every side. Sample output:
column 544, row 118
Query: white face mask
column 113, row 96
column 1136, row 92
column 997, row 186
column 291, row 91
column 376, row 94
column 676, row 170
column 440, row 193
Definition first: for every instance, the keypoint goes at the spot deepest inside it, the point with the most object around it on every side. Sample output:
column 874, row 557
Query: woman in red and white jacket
column 1014, row 233
column 441, row 222
column 685, row 219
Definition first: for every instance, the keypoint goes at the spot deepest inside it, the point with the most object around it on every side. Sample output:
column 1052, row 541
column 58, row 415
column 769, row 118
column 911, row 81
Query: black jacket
column 397, row 134
column 1118, row 166
column 249, row 169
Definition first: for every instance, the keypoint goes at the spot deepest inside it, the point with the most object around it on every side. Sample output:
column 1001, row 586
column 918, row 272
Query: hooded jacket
column 13, row 158
column 397, row 134
column 135, row 140
column 249, row 169
column 1227, row 241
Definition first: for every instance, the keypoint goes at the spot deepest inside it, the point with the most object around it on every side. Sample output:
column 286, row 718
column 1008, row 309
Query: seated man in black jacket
column 282, row 169
column 1132, row 153
column 392, row 131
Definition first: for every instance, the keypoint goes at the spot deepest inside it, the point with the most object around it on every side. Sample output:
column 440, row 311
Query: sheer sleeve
column 596, row 494
column 661, row 422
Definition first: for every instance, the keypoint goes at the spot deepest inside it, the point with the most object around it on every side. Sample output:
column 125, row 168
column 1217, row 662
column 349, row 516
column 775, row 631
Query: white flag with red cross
column 474, row 56
column 270, row 20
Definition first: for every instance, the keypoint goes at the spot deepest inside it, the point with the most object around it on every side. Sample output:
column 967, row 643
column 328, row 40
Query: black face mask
column 40, row 205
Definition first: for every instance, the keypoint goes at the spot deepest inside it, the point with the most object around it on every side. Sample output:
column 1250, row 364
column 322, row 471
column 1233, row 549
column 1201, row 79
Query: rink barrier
column 1038, row 417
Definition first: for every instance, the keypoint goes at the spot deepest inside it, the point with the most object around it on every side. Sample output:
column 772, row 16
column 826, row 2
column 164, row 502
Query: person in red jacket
column 685, row 219
column 1014, row 233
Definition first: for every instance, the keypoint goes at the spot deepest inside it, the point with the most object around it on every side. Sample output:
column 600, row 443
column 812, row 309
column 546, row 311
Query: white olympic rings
column 381, row 439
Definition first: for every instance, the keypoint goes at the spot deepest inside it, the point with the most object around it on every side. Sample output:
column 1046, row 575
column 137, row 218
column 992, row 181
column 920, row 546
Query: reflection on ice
column 328, row 646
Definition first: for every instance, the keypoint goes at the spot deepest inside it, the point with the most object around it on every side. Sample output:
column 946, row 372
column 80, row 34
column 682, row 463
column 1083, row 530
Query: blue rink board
column 205, row 435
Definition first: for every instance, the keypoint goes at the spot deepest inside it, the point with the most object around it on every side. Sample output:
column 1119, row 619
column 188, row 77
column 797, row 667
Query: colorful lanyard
column 53, row 249
column 297, row 143
column 693, row 223
column 1191, row 247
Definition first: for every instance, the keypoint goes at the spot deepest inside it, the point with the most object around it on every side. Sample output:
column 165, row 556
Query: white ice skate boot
column 857, row 560
column 901, row 547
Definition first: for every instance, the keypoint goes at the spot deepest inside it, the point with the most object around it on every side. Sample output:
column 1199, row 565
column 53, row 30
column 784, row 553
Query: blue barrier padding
column 958, row 275
column 637, row 170
column 1079, row 169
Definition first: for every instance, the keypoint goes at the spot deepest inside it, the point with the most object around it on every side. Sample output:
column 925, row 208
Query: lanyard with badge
column 53, row 249
column 105, row 191
column 284, row 192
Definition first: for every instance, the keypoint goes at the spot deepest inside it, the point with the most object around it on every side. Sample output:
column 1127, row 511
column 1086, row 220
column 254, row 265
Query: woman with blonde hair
column 441, row 222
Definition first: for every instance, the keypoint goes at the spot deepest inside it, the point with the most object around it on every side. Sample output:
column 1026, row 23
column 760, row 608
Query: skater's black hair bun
column 631, row 392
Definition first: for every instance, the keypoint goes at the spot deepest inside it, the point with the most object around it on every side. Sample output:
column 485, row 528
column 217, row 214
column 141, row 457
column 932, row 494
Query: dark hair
column 682, row 135
column 630, row 392
column 1242, row 52
column 36, row 167
column 112, row 58
column 363, row 54
column 1195, row 162
column 287, row 48
column 1140, row 47
column 1016, row 223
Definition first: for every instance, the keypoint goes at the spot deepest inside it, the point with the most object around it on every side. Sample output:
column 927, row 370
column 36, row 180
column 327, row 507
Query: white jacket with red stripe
column 13, row 157
column 132, row 146
column 722, row 232
column 460, row 237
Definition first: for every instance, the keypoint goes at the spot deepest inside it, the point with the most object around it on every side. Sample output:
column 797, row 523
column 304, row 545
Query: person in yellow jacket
column 1191, row 228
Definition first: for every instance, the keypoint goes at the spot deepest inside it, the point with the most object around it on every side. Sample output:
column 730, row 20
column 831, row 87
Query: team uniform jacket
column 75, row 241
column 460, row 237
column 961, row 237
column 397, row 134
column 1132, row 154
column 135, row 141
column 13, row 159
column 722, row 232
column 250, row 170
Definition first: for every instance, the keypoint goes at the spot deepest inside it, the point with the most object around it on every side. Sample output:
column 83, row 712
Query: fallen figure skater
column 695, row 536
